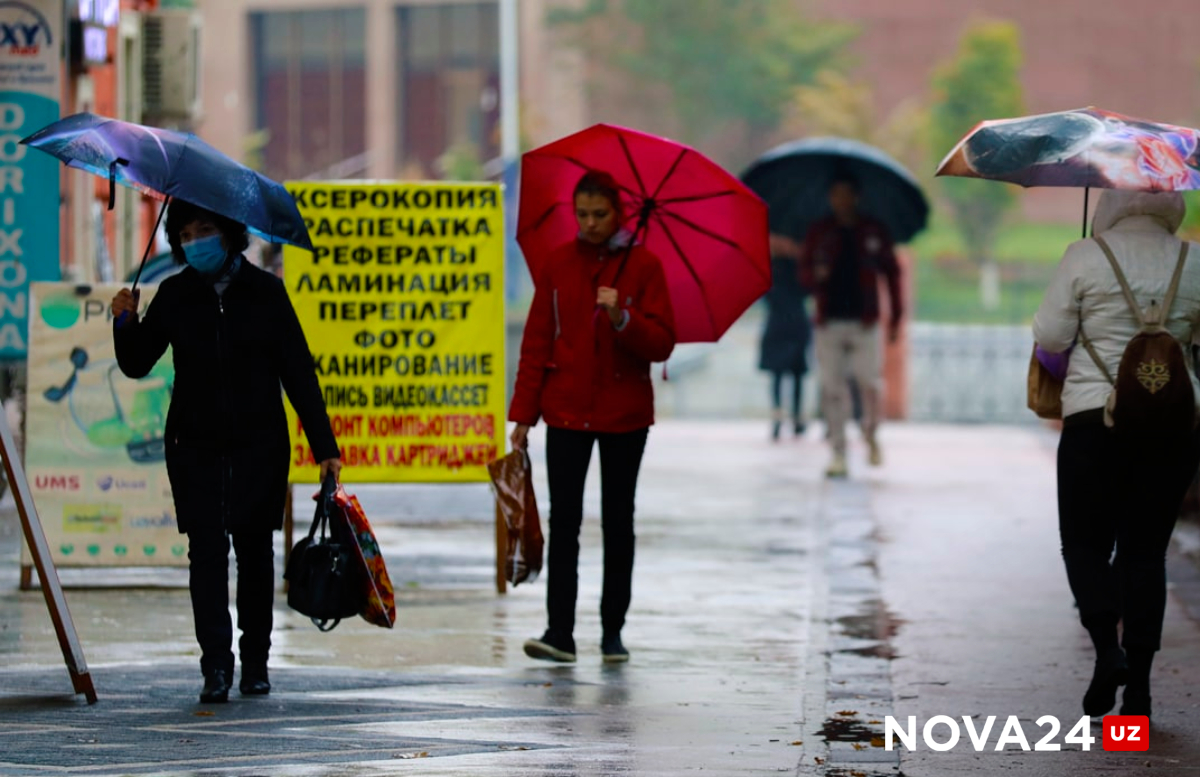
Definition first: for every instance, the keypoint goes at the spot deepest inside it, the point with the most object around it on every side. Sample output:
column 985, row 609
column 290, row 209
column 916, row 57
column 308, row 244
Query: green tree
column 981, row 82
column 1191, row 222
column 717, row 61
column 834, row 104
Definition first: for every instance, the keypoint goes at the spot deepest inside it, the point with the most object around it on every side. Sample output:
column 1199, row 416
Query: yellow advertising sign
column 402, row 303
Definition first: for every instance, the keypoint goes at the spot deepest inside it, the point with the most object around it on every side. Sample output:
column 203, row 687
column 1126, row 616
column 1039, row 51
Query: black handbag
column 323, row 576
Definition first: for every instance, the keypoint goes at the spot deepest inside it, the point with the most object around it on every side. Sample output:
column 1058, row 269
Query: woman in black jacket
column 235, row 341
column 785, row 339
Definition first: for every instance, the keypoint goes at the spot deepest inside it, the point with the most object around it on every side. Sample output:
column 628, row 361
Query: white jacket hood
column 1085, row 296
column 1167, row 208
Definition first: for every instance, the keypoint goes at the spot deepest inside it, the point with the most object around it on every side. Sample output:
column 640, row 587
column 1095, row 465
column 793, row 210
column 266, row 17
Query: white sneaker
column 875, row 456
column 837, row 467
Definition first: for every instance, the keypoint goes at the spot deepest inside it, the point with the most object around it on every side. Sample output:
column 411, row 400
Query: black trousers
column 568, row 455
column 208, row 554
column 1116, row 495
column 797, row 392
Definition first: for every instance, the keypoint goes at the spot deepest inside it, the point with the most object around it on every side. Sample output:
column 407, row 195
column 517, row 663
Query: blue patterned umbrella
column 174, row 165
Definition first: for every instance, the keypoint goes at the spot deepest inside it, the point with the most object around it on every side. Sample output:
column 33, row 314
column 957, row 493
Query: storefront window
column 310, row 91
column 449, row 84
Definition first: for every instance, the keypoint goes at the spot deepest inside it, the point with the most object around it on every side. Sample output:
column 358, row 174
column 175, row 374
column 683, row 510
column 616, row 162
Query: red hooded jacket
column 577, row 370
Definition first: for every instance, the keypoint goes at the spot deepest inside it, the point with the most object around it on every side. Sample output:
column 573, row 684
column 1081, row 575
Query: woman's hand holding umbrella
column 607, row 298
column 124, row 305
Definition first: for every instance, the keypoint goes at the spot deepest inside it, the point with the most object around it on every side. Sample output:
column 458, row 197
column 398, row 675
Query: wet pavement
column 776, row 620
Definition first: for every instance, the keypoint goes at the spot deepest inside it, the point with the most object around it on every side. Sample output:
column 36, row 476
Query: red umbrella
column 707, row 228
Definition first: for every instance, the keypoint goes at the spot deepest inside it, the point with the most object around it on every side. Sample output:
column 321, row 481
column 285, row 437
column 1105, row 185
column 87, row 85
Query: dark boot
column 1111, row 671
column 613, row 650
column 1136, row 700
column 552, row 647
column 254, row 681
column 216, row 687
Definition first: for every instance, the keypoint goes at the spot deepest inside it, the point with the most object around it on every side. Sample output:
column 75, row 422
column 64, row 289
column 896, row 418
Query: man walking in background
column 841, row 261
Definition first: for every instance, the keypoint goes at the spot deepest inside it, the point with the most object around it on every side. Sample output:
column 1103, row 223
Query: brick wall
column 1128, row 57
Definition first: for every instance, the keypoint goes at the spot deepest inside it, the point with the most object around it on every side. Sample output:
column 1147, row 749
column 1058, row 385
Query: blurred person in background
column 843, row 258
column 783, row 349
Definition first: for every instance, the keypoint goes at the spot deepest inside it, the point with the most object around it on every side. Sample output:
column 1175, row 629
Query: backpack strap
column 1128, row 292
column 1091, row 349
column 1175, row 279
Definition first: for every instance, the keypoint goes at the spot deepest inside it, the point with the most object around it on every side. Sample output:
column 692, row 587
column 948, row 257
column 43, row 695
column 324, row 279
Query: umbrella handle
column 121, row 319
column 112, row 180
column 1086, row 191
column 643, row 224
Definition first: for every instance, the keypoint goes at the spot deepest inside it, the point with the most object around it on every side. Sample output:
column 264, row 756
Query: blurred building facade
column 384, row 89
column 410, row 88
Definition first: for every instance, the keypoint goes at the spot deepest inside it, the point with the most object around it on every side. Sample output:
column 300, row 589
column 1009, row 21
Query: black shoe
column 612, row 649
column 216, row 688
column 1136, row 702
column 254, row 681
column 552, row 647
column 1111, row 671
column 799, row 428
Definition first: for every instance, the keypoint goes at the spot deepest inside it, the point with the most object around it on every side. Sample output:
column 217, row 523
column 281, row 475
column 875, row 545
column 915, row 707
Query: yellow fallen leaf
column 875, row 722
column 858, row 746
column 848, row 713
column 797, row 742
column 858, row 774
column 877, row 742
column 204, row 714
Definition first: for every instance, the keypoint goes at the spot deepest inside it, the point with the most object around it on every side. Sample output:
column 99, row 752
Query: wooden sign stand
column 501, row 550
column 39, row 548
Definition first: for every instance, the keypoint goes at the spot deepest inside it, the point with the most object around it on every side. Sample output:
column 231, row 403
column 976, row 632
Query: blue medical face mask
column 206, row 254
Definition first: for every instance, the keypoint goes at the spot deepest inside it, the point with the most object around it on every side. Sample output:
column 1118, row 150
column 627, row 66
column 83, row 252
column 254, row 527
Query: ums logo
column 23, row 30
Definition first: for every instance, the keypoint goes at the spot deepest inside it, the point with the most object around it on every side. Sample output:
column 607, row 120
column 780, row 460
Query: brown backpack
column 1152, row 393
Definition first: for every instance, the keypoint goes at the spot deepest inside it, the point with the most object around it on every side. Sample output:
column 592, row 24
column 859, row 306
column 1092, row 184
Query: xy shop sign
column 30, row 43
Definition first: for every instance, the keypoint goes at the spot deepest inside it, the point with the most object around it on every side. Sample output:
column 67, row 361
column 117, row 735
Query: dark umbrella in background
column 1085, row 148
column 794, row 181
column 167, row 165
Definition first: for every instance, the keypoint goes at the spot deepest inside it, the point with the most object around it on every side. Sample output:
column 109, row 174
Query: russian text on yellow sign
column 402, row 302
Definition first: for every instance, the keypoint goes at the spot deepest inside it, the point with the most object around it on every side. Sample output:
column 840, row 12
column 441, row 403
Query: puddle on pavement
column 879, row 650
column 842, row 729
column 874, row 622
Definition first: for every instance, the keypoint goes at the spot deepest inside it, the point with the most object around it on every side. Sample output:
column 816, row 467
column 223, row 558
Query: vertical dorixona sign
column 30, row 57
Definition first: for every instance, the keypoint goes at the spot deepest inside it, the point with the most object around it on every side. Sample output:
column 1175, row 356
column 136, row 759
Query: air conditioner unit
column 171, row 65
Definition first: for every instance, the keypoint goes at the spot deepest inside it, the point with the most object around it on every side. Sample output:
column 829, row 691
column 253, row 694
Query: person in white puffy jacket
column 1114, row 495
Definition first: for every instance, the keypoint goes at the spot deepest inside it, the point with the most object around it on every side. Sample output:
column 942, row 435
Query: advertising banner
column 31, row 34
column 94, row 438
column 402, row 303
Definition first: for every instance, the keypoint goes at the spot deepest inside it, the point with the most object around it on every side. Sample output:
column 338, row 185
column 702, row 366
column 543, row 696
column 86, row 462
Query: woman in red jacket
column 601, row 314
